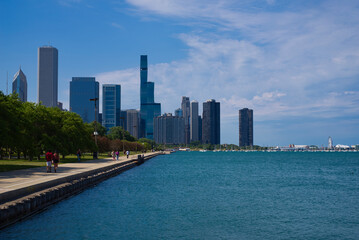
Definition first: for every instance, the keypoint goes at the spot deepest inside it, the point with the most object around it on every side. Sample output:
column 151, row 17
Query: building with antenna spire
column 19, row 85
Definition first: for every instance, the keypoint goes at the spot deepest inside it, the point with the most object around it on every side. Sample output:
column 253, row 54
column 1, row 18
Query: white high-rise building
column 330, row 143
column 194, row 133
column 47, row 84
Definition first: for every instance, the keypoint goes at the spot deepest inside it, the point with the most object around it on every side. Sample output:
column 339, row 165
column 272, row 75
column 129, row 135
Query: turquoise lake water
column 221, row 195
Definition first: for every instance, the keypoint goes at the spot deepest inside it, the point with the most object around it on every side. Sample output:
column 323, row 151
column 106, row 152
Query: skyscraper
column 148, row 109
column 47, row 76
column 330, row 143
column 133, row 122
column 245, row 127
column 82, row 89
column 211, row 132
column 111, row 105
column 123, row 118
column 185, row 105
column 178, row 112
column 19, row 85
column 169, row 129
column 200, row 128
column 194, row 121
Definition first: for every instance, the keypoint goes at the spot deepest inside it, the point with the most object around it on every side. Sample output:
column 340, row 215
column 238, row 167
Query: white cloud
column 116, row 25
column 129, row 81
column 282, row 64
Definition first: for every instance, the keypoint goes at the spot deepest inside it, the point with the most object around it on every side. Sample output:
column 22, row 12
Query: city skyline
column 294, row 63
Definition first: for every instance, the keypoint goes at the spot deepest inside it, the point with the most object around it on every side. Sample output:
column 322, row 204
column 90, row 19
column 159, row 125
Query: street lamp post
column 95, row 133
column 135, row 127
column 123, row 127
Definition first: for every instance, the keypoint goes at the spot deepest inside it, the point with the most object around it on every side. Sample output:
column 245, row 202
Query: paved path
column 18, row 179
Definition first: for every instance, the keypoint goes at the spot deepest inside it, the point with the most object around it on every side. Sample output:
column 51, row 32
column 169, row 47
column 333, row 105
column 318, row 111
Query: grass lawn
column 16, row 164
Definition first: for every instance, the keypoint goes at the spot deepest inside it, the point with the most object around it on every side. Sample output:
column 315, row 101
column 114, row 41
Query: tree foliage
column 31, row 128
column 120, row 133
column 101, row 130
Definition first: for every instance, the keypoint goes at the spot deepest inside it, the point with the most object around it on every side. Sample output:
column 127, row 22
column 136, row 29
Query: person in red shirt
column 49, row 157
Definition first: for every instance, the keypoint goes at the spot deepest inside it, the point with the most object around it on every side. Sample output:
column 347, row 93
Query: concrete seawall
column 24, row 202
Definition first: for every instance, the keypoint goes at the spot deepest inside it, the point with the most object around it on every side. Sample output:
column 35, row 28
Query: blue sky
column 296, row 63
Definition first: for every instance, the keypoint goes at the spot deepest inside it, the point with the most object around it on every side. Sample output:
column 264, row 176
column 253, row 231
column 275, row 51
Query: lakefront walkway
column 18, row 183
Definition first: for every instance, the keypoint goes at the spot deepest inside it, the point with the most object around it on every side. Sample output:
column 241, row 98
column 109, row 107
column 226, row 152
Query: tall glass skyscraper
column 19, row 85
column 82, row 89
column 245, row 127
column 111, row 105
column 211, row 132
column 186, row 114
column 194, row 121
column 148, row 109
column 47, row 76
column 178, row 112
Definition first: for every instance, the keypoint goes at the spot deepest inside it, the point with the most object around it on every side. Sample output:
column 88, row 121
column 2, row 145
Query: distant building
column 148, row 109
column 133, row 116
column 19, row 85
column 169, row 129
column 47, row 84
column 245, row 127
column 123, row 122
column 330, row 143
column 211, row 132
column 194, row 132
column 82, row 89
column 178, row 112
column 200, row 128
column 60, row 105
column 111, row 105
column 185, row 105
column 100, row 118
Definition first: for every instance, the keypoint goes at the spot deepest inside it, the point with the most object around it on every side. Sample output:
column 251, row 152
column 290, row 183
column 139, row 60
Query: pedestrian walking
column 78, row 155
column 56, row 160
column 127, row 153
column 49, row 156
column 117, row 154
column 113, row 155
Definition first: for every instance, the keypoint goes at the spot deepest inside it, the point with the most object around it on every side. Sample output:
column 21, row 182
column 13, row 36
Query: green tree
column 101, row 130
column 147, row 143
column 118, row 133
column 10, row 122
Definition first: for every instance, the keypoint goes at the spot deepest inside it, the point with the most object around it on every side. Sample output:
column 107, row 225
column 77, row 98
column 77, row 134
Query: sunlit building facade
column 47, row 84
column 19, row 85
column 148, row 109
column 111, row 105
column 82, row 89
column 169, row 129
